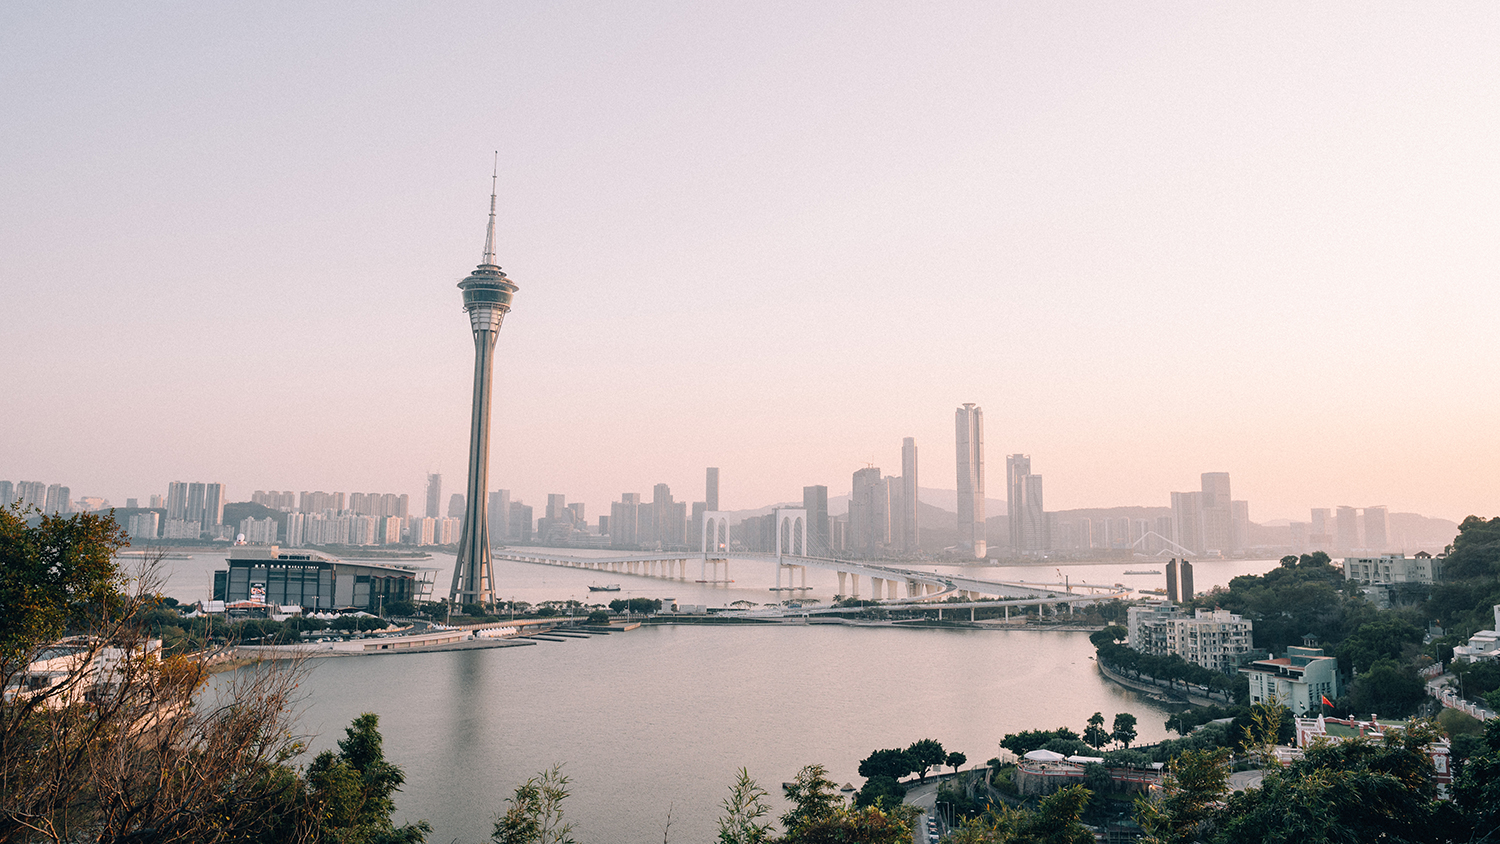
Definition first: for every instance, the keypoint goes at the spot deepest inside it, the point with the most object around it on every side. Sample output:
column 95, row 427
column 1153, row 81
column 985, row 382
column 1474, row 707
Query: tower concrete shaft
column 487, row 296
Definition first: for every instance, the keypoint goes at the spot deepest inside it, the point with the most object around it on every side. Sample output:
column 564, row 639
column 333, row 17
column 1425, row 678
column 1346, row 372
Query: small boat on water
column 1151, row 571
column 611, row 587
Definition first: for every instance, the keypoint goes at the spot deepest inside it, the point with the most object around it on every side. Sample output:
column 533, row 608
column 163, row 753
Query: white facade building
column 259, row 531
column 1298, row 681
column 144, row 525
column 1482, row 646
column 1391, row 569
column 1214, row 639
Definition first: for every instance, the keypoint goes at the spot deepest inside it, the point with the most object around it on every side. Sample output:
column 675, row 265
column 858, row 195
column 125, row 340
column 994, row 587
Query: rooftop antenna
column 489, row 238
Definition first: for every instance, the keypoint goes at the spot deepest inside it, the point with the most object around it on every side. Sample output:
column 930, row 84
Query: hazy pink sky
column 1151, row 240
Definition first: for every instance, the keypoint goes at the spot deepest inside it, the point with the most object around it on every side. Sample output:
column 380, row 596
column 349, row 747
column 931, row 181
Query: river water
column 653, row 723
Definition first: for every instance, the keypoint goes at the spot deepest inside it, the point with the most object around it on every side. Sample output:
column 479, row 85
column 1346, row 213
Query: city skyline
column 1147, row 240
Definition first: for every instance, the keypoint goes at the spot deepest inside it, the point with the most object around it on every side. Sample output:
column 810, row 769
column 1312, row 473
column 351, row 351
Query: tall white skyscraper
column 869, row 513
column 213, row 505
column 1034, row 533
column 56, row 500
column 969, row 429
column 1017, row 467
column 911, row 533
column 1376, row 539
column 177, row 501
column 1216, row 520
column 1187, row 524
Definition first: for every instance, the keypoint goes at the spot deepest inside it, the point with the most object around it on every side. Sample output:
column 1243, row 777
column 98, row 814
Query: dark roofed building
column 315, row 581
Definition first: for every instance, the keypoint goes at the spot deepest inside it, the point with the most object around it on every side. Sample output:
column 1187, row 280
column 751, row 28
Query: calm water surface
column 655, row 722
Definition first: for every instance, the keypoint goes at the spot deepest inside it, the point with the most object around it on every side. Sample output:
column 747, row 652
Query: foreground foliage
column 105, row 739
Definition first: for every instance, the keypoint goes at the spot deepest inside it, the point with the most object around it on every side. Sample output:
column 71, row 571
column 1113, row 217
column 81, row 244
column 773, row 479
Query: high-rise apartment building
column 895, row 497
column 57, row 499
column 177, row 501
column 969, row 437
column 32, row 494
column 1025, row 511
column 456, row 505
column 557, row 506
column 319, row 502
column 663, row 520
column 711, row 490
column 143, row 526
column 213, row 505
column 1034, row 532
column 521, row 522
column 1187, row 528
column 1239, row 525
column 197, row 495
column 819, row 529
column 1376, row 538
column 624, row 520
column 434, row 495
column 911, row 532
column 1346, row 522
column 1017, row 467
column 500, row 516
column 869, row 513
column 1320, row 529
column 1215, row 520
column 7, row 493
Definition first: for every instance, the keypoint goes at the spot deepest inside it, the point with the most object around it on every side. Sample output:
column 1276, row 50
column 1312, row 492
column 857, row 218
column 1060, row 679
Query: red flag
column 1326, row 701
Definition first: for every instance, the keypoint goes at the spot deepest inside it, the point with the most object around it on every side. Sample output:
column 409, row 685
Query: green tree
column 1058, row 819
column 814, row 797
column 880, row 790
column 923, row 754
column 1478, row 678
column 869, row 825
column 535, row 813
column 57, row 576
column 1354, row 790
column 1476, row 791
column 956, row 760
column 1124, row 729
column 1026, row 741
column 892, row 762
column 76, row 758
column 743, row 809
column 353, row 790
column 1387, row 637
column 1094, row 734
column 1388, row 689
column 1185, row 810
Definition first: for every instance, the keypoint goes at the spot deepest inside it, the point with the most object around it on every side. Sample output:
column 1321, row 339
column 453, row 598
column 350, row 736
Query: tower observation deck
column 487, row 294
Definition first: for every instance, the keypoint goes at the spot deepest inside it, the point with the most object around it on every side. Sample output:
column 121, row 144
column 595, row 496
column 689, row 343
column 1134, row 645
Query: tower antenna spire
column 489, row 238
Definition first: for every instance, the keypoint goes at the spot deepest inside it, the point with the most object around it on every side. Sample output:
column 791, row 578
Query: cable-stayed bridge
column 889, row 583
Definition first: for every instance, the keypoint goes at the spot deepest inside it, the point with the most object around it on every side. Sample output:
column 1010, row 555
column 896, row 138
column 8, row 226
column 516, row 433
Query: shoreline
column 1173, row 696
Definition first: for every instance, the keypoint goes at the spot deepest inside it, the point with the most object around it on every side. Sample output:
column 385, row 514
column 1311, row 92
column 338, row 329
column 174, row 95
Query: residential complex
column 1214, row 639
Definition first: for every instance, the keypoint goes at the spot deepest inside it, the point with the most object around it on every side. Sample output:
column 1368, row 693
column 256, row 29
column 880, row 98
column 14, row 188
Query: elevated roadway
column 886, row 581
